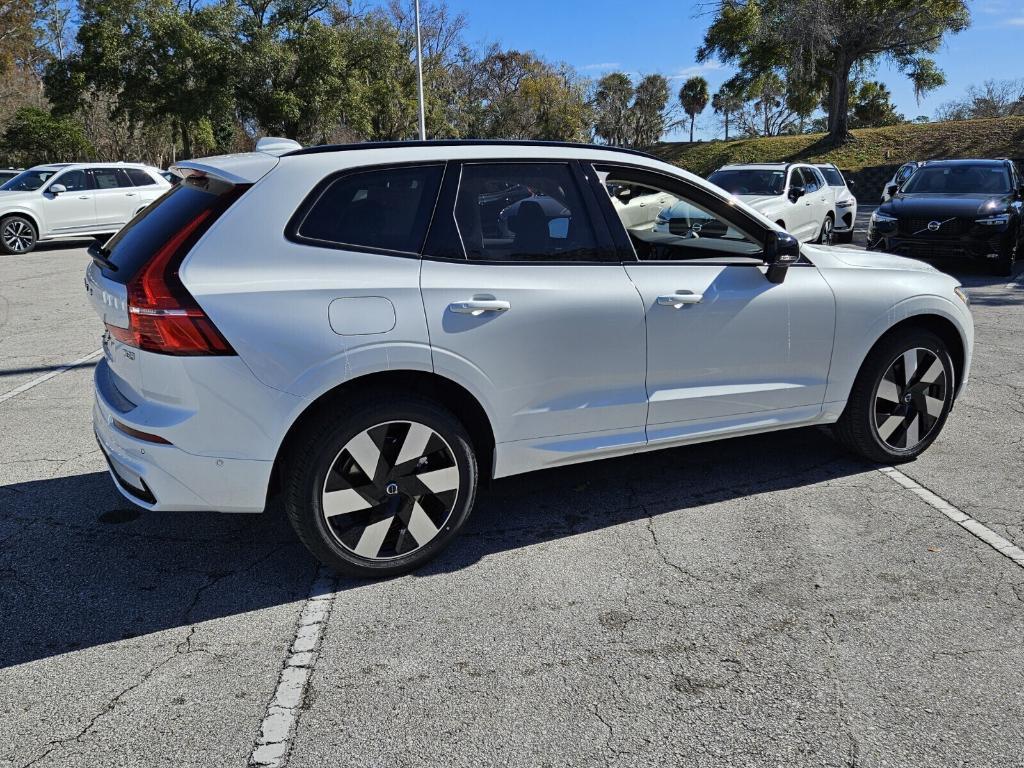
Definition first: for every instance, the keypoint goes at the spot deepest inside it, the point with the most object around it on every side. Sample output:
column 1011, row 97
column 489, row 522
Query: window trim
column 449, row 196
column 295, row 221
column 715, row 205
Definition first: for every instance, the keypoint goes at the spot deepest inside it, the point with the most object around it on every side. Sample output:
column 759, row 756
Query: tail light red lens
column 162, row 315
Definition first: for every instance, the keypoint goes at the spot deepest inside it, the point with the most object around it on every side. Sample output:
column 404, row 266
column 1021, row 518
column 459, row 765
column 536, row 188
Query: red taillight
column 162, row 315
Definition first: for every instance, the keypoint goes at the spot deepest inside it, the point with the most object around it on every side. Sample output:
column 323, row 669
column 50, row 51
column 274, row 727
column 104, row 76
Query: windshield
column 751, row 182
column 832, row 176
column 27, row 181
column 959, row 180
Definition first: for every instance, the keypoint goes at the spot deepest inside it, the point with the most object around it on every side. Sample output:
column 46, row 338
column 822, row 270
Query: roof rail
column 463, row 143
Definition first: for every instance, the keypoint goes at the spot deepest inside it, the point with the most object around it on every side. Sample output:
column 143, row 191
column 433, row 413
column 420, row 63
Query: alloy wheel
column 391, row 490
column 827, row 231
column 18, row 236
column 910, row 399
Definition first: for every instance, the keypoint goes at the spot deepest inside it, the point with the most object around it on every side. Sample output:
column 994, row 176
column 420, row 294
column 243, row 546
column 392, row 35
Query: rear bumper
column 165, row 477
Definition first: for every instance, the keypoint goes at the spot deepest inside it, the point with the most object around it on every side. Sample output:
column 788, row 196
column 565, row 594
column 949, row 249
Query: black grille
column 949, row 227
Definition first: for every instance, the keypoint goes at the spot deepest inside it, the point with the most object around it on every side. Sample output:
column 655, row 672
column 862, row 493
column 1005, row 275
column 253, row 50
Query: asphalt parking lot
column 757, row 602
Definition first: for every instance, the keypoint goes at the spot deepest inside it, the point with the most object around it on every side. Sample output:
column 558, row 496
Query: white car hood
column 837, row 257
column 761, row 201
column 16, row 197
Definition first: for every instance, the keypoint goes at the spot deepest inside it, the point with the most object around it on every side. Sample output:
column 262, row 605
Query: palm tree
column 694, row 97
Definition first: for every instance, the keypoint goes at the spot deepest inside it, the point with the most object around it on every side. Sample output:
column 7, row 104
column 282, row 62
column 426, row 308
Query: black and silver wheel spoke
column 18, row 236
column 910, row 398
column 390, row 490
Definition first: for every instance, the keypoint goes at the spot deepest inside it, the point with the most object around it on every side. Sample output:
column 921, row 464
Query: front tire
column 1003, row 266
column 900, row 399
column 383, row 487
column 825, row 235
column 17, row 235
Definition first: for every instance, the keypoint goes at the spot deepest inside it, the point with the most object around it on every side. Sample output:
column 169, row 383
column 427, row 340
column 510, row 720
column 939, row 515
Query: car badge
column 933, row 226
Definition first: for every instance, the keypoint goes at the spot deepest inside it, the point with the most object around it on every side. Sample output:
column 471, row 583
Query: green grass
column 999, row 137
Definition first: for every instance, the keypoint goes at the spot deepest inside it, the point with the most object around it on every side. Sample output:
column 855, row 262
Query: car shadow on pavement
column 79, row 567
column 526, row 510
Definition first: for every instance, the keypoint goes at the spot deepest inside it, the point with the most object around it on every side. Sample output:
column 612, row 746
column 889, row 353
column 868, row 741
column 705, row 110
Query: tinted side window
column 107, row 178
column 75, row 181
column 386, row 209
column 139, row 177
column 523, row 212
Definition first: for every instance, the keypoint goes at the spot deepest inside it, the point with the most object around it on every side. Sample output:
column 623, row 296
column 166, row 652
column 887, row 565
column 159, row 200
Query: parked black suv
column 967, row 208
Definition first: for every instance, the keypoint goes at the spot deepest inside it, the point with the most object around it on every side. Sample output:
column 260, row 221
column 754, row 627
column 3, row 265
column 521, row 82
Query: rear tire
column 17, row 235
column 391, row 517
column 891, row 417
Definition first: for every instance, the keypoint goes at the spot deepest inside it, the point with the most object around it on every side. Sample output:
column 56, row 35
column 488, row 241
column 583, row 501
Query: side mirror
column 796, row 192
column 892, row 189
column 781, row 250
column 57, row 189
column 851, row 184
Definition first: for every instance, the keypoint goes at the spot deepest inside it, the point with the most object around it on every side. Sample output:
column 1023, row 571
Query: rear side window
column 139, row 177
column 110, row 178
column 523, row 212
column 384, row 209
column 137, row 242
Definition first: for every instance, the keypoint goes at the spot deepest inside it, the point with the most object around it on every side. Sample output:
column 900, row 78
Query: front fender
column 857, row 333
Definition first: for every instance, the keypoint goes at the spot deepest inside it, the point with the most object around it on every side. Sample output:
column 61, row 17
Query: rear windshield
column 142, row 237
column 759, row 181
column 832, row 176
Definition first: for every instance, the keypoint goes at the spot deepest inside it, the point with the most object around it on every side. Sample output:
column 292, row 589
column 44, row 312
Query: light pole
column 419, row 74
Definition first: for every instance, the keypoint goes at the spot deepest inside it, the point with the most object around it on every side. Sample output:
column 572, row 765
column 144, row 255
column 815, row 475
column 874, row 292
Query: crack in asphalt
column 181, row 648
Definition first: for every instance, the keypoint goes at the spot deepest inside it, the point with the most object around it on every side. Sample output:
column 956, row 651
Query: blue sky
column 598, row 36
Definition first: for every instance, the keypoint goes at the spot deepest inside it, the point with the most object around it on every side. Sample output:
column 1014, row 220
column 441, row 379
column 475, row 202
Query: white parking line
column 274, row 740
column 961, row 518
column 47, row 376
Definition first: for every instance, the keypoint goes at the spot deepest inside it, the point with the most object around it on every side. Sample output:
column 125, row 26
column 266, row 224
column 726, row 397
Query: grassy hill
column 999, row 137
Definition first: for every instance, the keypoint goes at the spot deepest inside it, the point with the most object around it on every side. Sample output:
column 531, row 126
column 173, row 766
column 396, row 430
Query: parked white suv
column 73, row 200
column 844, row 205
column 793, row 195
column 353, row 328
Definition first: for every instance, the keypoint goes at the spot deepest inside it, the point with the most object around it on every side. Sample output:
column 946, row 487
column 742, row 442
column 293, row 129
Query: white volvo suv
column 369, row 332
column 794, row 195
column 73, row 200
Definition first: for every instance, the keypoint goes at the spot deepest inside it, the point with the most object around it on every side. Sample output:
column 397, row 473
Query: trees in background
column 824, row 42
column 727, row 102
column 693, row 97
column 993, row 98
column 871, row 106
column 624, row 115
column 34, row 135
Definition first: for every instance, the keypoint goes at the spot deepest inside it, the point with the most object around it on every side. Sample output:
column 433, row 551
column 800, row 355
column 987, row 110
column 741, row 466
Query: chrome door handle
column 477, row 307
column 676, row 300
column 83, row 197
column 129, row 194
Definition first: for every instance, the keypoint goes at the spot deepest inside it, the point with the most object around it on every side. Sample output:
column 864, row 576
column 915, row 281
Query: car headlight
column 962, row 295
column 994, row 221
column 882, row 218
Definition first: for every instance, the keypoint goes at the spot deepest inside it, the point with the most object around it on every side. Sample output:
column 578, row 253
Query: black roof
column 463, row 143
column 980, row 161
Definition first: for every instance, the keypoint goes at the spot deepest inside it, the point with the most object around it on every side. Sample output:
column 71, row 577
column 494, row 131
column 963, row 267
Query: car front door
column 537, row 318
column 726, row 349
column 802, row 210
column 116, row 197
column 73, row 210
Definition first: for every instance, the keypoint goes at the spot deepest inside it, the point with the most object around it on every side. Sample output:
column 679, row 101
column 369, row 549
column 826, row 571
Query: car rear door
column 543, row 325
column 725, row 348
column 116, row 197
